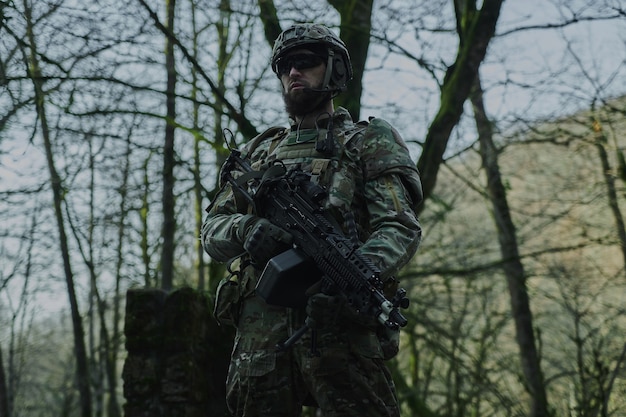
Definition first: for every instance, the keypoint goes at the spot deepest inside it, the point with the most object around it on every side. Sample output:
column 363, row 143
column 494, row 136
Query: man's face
column 301, row 70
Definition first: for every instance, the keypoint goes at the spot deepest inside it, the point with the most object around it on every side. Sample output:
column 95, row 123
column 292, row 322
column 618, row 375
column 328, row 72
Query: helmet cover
column 313, row 37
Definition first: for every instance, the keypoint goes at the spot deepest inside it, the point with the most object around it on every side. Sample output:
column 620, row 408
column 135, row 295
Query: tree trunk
column 4, row 392
column 269, row 18
column 609, row 179
column 113, row 406
column 356, row 25
column 95, row 364
column 169, row 159
column 149, row 280
column 82, row 369
column 513, row 267
column 197, row 161
column 476, row 28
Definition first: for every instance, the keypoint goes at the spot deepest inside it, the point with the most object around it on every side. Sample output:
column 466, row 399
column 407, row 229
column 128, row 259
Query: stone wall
column 177, row 355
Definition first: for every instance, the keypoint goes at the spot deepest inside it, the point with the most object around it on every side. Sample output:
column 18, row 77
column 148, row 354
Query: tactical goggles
column 298, row 61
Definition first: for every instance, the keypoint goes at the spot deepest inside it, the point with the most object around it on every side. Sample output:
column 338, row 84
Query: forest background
column 111, row 121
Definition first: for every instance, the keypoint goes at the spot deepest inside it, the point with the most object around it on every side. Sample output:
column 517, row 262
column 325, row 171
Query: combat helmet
column 316, row 36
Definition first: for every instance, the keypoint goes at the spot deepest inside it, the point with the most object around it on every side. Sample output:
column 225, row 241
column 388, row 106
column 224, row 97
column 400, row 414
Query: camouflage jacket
column 369, row 172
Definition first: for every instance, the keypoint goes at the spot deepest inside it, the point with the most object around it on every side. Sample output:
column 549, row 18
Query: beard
column 302, row 102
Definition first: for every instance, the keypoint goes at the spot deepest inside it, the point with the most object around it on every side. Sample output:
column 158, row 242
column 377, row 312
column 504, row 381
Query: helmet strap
column 329, row 69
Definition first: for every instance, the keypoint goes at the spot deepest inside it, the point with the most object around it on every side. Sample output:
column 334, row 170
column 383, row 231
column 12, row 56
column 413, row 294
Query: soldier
column 367, row 171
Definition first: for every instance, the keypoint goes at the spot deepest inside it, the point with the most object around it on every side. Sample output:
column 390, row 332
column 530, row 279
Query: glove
column 264, row 240
column 325, row 311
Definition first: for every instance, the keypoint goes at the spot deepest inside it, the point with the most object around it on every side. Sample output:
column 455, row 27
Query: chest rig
column 322, row 151
column 330, row 155
column 298, row 148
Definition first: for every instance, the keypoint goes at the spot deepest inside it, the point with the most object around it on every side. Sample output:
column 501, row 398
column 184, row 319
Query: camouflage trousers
column 340, row 370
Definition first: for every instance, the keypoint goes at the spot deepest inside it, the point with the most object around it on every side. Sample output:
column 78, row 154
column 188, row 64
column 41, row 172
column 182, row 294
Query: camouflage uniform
column 369, row 173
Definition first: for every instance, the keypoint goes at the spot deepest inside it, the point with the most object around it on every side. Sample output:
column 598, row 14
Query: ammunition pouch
column 228, row 297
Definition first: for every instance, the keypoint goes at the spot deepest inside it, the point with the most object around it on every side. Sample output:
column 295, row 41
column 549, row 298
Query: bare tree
column 35, row 74
column 601, row 141
column 475, row 28
column 4, row 392
column 512, row 265
column 169, row 157
column 197, row 161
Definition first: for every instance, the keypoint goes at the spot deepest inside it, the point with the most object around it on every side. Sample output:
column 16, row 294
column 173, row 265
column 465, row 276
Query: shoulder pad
column 385, row 152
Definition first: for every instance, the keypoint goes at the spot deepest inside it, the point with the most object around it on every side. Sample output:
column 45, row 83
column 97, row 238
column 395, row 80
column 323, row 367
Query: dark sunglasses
column 297, row 61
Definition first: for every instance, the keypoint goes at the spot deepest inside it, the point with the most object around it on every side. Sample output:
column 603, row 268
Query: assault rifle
column 291, row 200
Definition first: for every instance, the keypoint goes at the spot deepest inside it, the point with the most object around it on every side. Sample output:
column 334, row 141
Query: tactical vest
column 291, row 148
column 328, row 163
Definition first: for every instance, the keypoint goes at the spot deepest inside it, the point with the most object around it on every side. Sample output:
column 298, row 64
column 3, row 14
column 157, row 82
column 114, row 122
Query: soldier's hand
column 265, row 240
